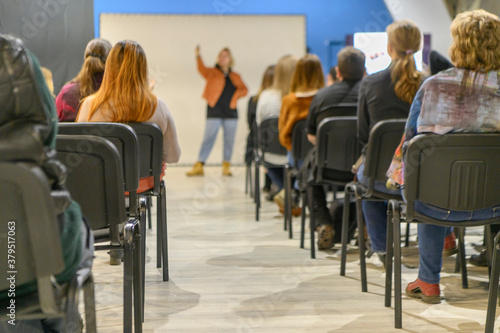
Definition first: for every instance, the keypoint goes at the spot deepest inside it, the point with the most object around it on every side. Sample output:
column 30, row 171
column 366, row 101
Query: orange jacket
column 293, row 109
column 216, row 82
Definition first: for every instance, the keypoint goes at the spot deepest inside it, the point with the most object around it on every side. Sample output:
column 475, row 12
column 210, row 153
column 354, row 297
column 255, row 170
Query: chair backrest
column 459, row 172
column 384, row 138
column 127, row 143
column 338, row 147
column 29, row 231
column 268, row 137
column 151, row 150
column 300, row 144
column 95, row 180
column 337, row 110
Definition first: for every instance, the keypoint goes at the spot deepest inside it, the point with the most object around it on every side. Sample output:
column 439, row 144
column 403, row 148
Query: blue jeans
column 276, row 175
column 431, row 237
column 211, row 129
column 375, row 214
column 297, row 164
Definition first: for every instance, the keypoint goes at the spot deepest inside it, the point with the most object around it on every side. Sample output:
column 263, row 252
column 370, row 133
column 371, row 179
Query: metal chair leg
column 287, row 208
column 398, row 316
column 128, row 278
column 149, row 203
column 461, row 255
column 389, row 255
column 407, row 236
column 89, row 301
column 345, row 229
column 257, row 191
column 361, row 240
column 164, row 232
column 159, row 231
column 303, row 219
column 138, row 280
column 312, row 221
column 493, row 292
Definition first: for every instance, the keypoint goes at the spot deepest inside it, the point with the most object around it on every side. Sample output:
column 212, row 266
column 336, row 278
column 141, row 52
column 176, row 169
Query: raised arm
column 201, row 66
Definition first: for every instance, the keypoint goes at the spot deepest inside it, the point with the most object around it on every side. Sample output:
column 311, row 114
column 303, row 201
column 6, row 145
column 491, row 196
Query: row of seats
column 460, row 176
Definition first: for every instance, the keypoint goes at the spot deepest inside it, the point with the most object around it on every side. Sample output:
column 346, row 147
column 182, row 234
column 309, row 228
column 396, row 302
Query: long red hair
column 125, row 89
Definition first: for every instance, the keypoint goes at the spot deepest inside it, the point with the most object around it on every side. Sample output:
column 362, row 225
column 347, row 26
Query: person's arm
column 311, row 138
column 201, row 66
column 363, row 116
column 312, row 116
column 171, row 148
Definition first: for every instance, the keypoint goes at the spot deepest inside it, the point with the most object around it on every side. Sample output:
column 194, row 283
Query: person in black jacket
column 349, row 72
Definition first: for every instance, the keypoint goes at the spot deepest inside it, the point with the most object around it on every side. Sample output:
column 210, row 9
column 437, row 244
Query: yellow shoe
column 196, row 171
column 225, row 169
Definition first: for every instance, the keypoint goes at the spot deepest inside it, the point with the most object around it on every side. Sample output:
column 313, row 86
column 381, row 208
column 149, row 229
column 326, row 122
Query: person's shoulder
column 290, row 98
column 70, row 88
column 377, row 77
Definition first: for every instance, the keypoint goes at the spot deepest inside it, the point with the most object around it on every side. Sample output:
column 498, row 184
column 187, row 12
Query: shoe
column 225, row 169
column 272, row 192
column 382, row 257
column 115, row 256
column 279, row 199
column 197, row 170
column 427, row 292
column 450, row 245
column 325, row 236
column 480, row 259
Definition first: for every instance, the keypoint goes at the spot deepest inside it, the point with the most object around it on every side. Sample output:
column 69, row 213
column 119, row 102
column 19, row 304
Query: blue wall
column 326, row 19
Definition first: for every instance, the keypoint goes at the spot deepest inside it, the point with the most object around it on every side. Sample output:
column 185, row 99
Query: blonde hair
column 308, row 74
column 228, row 51
column 96, row 52
column 405, row 39
column 476, row 41
column 267, row 81
column 125, row 89
column 283, row 74
column 47, row 75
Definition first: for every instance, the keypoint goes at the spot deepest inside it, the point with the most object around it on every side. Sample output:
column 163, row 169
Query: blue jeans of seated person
column 276, row 175
column 431, row 237
column 211, row 129
column 295, row 164
column 375, row 214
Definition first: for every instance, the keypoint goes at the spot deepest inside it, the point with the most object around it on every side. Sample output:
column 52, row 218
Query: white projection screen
column 170, row 41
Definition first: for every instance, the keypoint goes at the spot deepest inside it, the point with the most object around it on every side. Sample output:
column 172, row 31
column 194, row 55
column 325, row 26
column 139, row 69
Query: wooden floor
column 229, row 273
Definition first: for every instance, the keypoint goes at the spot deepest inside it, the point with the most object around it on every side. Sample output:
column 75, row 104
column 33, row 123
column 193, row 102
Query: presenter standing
column 223, row 89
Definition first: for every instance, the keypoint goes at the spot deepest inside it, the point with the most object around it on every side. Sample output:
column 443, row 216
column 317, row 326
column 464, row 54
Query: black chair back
column 95, row 180
column 28, row 221
column 385, row 137
column 268, row 138
column 151, row 151
column 459, row 172
column 337, row 149
column 300, row 144
column 337, row 110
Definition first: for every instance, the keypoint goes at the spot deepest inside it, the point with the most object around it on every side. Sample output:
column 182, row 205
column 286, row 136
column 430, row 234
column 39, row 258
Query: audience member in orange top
column 125, row 96
column 307, row 79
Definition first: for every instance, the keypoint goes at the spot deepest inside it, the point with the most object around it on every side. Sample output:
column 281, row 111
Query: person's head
column 125, row 88
column 404, row 40
column 476, row 41
column 283, row 74
column 94, row 62
column 308, row 75
column 267, row 81
column 351, row 64
column 332, row 76
column 225, row 59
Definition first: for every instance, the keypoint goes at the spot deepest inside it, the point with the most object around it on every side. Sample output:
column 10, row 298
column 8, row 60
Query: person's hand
column 197, row 50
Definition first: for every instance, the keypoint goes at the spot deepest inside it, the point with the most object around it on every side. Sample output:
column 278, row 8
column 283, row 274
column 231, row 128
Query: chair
column 300, row 148
column 459, row 172
column 337, row 110
column 30, row 235
column 385, row 137
column 268, row 143
column 151, row 147
column 95, row 180
column 337, row 150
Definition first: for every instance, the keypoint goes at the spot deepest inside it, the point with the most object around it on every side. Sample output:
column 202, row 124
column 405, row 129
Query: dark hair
column 333, row 74
column 351, row 63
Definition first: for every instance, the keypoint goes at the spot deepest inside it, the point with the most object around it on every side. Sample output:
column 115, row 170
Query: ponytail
column 406, row 78
column 91, row 66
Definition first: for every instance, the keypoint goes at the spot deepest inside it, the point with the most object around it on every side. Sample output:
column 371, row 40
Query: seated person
column 87, row 82
column 307, row 79
column 125, row 96
column 332, row 78
column 461, row 99
column 269, row 106
column 387, row 95
column 349, row 72
column 36, row 117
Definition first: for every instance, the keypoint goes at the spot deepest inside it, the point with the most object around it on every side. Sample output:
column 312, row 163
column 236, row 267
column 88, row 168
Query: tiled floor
column 229, row 273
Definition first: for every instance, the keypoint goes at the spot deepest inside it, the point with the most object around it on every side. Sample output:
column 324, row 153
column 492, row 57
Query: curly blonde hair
column 476, row 41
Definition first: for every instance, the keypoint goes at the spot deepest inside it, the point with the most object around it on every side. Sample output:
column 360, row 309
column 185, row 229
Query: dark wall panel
column 56, row 31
